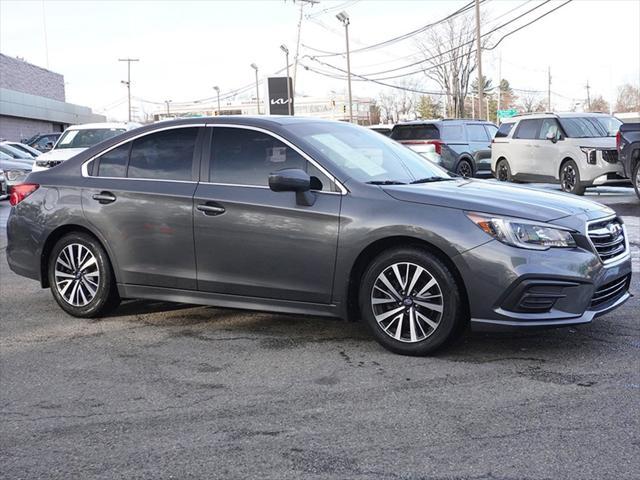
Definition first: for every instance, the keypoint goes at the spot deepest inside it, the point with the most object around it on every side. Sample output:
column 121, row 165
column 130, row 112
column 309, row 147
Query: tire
column 415, row 326
column 503, row 171
column 82, row 292
column 570, row 178
column 464, row 169
column 635, row 178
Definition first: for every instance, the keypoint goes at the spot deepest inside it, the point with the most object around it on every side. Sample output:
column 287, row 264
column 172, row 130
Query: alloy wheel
column 503, row 172
column 77, row 275
column 465, row 169
column 568, row 178
column 407, row 302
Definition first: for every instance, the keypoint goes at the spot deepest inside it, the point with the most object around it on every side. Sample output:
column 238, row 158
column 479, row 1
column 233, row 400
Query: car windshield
column 87, row 137
column 14, row 152
column 590, row 127
column 366, row 156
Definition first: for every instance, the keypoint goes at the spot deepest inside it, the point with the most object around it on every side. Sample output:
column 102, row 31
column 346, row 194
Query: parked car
column 460, row 146
column 384, row 129
column 25, row 148
column 315, row 217
column 12, row 172
column 577, row 150
column 628, row 146
column 78, row 138
column 15, row 152
column 42, row 141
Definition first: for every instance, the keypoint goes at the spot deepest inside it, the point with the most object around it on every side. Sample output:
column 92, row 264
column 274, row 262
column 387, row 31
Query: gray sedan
column 312, row 217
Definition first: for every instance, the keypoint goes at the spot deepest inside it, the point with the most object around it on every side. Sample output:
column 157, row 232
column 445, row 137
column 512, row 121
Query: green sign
column 512, row 112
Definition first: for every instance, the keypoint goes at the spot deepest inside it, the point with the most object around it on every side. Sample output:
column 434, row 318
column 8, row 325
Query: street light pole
column 255, row 67
column 344, row 18
column 479, row 61
column 167, row 102
column 217, row 89
column 289, row 99
column 128, row 82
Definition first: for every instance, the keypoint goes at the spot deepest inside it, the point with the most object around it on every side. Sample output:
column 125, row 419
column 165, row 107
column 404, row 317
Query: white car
column 77, row 138
column 576, row 150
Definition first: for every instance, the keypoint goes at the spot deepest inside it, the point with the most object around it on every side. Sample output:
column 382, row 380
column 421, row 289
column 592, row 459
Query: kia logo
column 280, row 101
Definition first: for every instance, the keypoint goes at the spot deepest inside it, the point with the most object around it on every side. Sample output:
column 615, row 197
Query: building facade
column 32, row 100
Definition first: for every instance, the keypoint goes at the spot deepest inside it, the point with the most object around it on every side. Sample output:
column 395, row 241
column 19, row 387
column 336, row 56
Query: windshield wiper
column 386, row 182
column 432, row 179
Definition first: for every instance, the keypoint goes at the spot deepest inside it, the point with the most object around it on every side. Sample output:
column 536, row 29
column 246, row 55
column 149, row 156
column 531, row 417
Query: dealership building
column 32, row 100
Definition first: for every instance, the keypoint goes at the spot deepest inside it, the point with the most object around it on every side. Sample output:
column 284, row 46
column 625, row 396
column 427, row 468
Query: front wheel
column 81, row 277
column 570, row 178
column 635, row 178
column 411, row 301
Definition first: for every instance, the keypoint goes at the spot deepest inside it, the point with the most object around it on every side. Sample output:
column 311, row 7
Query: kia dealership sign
column 278, row 95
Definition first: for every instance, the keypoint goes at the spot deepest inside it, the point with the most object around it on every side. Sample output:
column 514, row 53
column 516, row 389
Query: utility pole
column 344, row 18
column 499, row 86
column 289, row 99
column 255, row 67
column 128, row 82
column 588, row 96
column 295, row 63
column 549, row 90
column 217, row 89
column 167, row 102
column 479, row 61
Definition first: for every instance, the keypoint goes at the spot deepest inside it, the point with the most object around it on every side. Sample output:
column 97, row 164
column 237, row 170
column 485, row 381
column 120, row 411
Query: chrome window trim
column 611, row 262
column 342, row 188
column 264, row 187
column 85, row 166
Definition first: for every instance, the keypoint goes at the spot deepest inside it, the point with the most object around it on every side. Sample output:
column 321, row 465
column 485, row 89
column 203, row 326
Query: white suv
column 78, row 138
column 577, row 150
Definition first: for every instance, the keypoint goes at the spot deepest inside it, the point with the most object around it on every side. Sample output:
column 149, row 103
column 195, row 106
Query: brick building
column 32, row 100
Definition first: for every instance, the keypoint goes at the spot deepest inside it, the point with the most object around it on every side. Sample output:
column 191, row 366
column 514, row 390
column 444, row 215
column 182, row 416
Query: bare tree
column 530, row 102
column 450, row 59
column 599, row 104
column 628, row 99
column 400, row 103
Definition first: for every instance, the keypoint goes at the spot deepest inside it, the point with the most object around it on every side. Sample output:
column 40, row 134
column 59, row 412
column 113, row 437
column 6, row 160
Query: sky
column 187, row 47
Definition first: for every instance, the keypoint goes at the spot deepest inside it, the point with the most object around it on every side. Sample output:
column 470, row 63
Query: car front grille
column 610, row 291
column 608, row 238
column 610, row 156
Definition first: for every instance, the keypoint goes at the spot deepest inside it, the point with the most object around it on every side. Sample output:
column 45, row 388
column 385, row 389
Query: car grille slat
column 610, row 291
column 610, row 156
column 608, row 239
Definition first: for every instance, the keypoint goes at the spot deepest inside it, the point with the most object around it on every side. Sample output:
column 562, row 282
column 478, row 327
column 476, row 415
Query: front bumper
column 513, row 288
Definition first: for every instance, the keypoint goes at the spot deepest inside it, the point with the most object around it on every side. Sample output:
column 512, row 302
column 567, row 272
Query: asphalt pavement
column 162, row 390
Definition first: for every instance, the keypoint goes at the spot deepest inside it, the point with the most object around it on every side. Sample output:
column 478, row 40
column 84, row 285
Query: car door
column 139, row 196
column 522, row 160
column 545, row 150
column 255, row 242
column 479, row 147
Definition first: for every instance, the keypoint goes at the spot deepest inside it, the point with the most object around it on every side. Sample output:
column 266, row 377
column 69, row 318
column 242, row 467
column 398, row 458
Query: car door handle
column 211, row 210
column 104, row 197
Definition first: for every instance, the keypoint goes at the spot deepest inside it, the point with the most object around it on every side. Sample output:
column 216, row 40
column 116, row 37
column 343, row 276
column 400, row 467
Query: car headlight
column 13, row 175
column 523, row 233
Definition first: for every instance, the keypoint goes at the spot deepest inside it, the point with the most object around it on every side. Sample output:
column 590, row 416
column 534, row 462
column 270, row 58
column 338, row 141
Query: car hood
column 496, row 198
column 59, row 154
column 597, row 142
column 16, row 164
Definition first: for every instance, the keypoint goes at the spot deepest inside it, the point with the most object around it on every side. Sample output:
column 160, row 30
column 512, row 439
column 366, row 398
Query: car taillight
column 19, row 192
column 618, row 140
column 437, row 144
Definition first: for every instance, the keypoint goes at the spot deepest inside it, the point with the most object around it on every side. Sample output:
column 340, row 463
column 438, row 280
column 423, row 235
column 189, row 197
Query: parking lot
column 163, row 390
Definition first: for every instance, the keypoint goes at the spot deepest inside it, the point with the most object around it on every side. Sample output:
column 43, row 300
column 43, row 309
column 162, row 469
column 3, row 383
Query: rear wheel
column 570, row 178
column 503, row 171
column 411, row 301
column 464, row 169
column 635, row 178
column 81, row 277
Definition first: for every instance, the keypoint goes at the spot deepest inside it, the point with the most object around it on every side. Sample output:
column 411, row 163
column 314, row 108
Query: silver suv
column 577, row 150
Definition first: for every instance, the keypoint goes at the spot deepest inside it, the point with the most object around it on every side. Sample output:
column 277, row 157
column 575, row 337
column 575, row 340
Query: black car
column 42, row 141
column 461, row 146
column 316, row 217
column 628, row 145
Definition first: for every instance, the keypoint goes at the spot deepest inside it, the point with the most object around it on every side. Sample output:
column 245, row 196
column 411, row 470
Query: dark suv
column 460, row 146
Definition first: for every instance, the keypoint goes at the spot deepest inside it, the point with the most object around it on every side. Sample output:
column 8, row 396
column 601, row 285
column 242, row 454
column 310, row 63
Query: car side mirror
column 552, row 136
column 293, row 180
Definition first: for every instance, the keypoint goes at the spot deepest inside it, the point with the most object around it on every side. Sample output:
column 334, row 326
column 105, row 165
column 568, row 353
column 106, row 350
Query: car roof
column 105, row 125
column 443, row 120
column 557, row 115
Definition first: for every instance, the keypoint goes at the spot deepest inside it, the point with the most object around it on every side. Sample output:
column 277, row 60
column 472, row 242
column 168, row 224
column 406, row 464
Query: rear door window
column 165, row 155
column 528, row 129
column 477, row 133
column 452, row 133
column 427, row 131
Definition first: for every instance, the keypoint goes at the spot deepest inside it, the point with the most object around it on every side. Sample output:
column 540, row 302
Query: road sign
column 512, row 112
